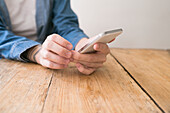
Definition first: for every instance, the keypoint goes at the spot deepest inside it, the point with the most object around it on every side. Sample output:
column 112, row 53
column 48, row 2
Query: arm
column 66, row 22
column 66, row 25
column 12, row 46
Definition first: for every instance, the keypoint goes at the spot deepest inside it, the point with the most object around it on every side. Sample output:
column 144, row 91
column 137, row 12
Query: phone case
column 105, row 37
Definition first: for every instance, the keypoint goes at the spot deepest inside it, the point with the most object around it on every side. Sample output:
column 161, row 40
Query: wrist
column 32, row 53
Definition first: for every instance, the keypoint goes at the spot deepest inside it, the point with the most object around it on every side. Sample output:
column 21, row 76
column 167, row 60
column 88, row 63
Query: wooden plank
column 151, row 69
column 24, row 87
column 109, row 90
column 4, row 68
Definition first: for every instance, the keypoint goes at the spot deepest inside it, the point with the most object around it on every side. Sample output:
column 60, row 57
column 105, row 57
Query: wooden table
column 131, row 81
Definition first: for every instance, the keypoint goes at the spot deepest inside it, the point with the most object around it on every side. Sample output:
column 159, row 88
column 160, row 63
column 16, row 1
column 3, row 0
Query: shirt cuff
column 21, row 47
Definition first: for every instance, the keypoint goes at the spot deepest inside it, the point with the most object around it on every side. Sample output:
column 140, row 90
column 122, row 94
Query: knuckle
column 41, row 52
column 41, row 61
column 62, row 60
column 50, row 38
column 46, row 54
column 49, row 64
column 58, row 37
column 45, row 63
column 46, row 44
column 66, row 44
column 78, row 56
column 62, row 52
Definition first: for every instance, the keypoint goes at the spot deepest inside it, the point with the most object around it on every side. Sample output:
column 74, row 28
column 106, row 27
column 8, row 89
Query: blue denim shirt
column 52, row 16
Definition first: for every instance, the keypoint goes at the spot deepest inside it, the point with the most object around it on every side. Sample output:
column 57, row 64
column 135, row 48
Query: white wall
column 146, row 23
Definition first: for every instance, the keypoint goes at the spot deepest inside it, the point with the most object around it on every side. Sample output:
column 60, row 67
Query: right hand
column 54, row 53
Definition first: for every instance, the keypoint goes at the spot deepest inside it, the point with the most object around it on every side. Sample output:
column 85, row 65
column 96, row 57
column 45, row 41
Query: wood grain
column 4, row 69
column 109, row 90
column 151, row 69
column 23, row 87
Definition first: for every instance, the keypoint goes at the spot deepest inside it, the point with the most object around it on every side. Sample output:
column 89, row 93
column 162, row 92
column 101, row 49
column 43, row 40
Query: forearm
column 66, row 23
column 12, row 46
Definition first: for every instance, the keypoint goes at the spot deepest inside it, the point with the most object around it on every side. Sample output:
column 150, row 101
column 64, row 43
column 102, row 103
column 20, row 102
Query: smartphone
column 106, row 37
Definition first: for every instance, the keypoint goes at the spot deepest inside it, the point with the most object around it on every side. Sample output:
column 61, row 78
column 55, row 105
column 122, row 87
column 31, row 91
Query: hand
column 54, row 53
column 88, row 63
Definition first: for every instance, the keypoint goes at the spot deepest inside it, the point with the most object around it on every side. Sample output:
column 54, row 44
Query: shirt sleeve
column 66, row 22
column 12, row 46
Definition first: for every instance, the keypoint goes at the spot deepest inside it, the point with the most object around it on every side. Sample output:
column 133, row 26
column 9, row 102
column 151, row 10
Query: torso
column 22, row 15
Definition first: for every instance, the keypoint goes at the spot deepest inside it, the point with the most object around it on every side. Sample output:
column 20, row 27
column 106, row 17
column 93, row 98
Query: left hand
column 88, row 63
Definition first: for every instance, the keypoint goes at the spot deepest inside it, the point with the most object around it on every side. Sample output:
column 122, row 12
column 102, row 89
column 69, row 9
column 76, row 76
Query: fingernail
column 96, row 46
column 69, row 46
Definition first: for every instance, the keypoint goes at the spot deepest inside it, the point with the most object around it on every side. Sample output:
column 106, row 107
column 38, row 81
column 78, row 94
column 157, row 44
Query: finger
column 52, row 46
column 60, row 40
column 90, row 65
column 86, row 71
column 101, row 47
column 93, row 57
column 54, row 57
column 51, row 65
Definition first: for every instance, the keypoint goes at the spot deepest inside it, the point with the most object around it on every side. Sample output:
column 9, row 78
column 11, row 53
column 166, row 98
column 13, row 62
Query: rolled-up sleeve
column 12, row 46
column 66, row 22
